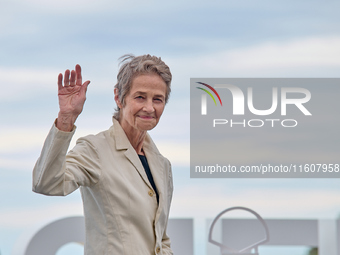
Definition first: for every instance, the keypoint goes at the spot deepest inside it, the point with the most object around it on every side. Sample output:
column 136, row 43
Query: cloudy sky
column 243, row 38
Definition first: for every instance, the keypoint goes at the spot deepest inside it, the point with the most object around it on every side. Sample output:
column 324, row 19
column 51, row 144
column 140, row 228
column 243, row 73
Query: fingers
column 67, row 78
column 78, row 75
column 71, row 78
column 60, row 81
column 84, row 87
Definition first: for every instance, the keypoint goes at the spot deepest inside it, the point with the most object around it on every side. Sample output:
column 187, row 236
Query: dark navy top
column 148, row 173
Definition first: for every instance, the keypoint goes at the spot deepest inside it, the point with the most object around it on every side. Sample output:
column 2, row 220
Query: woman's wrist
column 65, row 122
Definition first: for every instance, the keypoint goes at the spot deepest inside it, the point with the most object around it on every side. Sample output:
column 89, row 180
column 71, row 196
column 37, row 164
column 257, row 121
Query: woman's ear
column 117, row 98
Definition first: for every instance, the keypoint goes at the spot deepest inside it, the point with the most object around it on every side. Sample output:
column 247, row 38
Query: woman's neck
column 136, row 138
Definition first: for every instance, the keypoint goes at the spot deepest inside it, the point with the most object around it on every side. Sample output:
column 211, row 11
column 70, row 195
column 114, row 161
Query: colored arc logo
column 210, row 93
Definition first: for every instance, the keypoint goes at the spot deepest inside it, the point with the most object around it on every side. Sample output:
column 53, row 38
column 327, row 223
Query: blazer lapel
column 123, row 143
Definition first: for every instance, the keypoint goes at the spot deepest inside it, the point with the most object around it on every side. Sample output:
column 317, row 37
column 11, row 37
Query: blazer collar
column 151, row 152
column 117, row 132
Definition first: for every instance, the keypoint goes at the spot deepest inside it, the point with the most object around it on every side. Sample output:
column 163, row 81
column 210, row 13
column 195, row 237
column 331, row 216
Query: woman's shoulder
column 95, row 139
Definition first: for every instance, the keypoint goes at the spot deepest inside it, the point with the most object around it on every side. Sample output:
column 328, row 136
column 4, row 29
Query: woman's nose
column 148, row 106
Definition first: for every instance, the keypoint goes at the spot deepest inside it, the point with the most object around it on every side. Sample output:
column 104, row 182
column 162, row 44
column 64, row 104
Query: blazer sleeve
column 166, row 240
column 166, row 244
column 58, row 174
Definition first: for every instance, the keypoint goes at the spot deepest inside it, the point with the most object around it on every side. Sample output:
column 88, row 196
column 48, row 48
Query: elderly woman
column 126, row 184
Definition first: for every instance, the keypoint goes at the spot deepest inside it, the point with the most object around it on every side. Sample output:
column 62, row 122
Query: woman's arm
column 55, row 173
column 166, row 240
column 166, row 245
column 58, row 174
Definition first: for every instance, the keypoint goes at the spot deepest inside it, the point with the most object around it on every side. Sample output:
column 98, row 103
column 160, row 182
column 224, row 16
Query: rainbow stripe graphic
column 210, row 87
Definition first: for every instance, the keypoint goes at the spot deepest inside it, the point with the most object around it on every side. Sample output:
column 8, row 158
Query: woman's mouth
column 146, row 117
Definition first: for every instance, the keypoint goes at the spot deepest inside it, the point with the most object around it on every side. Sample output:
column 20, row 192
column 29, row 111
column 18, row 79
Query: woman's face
column 144, row 104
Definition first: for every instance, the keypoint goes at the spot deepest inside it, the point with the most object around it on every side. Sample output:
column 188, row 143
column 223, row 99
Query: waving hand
column 72, row 96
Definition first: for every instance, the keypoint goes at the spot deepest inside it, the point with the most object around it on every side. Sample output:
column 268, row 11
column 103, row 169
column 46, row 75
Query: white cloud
column 177, row 152
column 76, row 7
column 18, row 163
column 26, row 75
column 19, row 83
column 300, row 57
column 25, row 217
column 24, row 142
column 305, row 52
column 16, row 140
column 207, row 200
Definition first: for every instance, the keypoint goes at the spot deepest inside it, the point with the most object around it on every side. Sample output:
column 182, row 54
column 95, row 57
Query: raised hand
column 72, row 96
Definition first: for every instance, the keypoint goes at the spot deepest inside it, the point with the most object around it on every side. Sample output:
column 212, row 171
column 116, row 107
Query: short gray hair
column 132, row 66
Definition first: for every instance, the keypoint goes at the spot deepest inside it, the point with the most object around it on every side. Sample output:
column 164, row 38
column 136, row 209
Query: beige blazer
column 120, row 205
